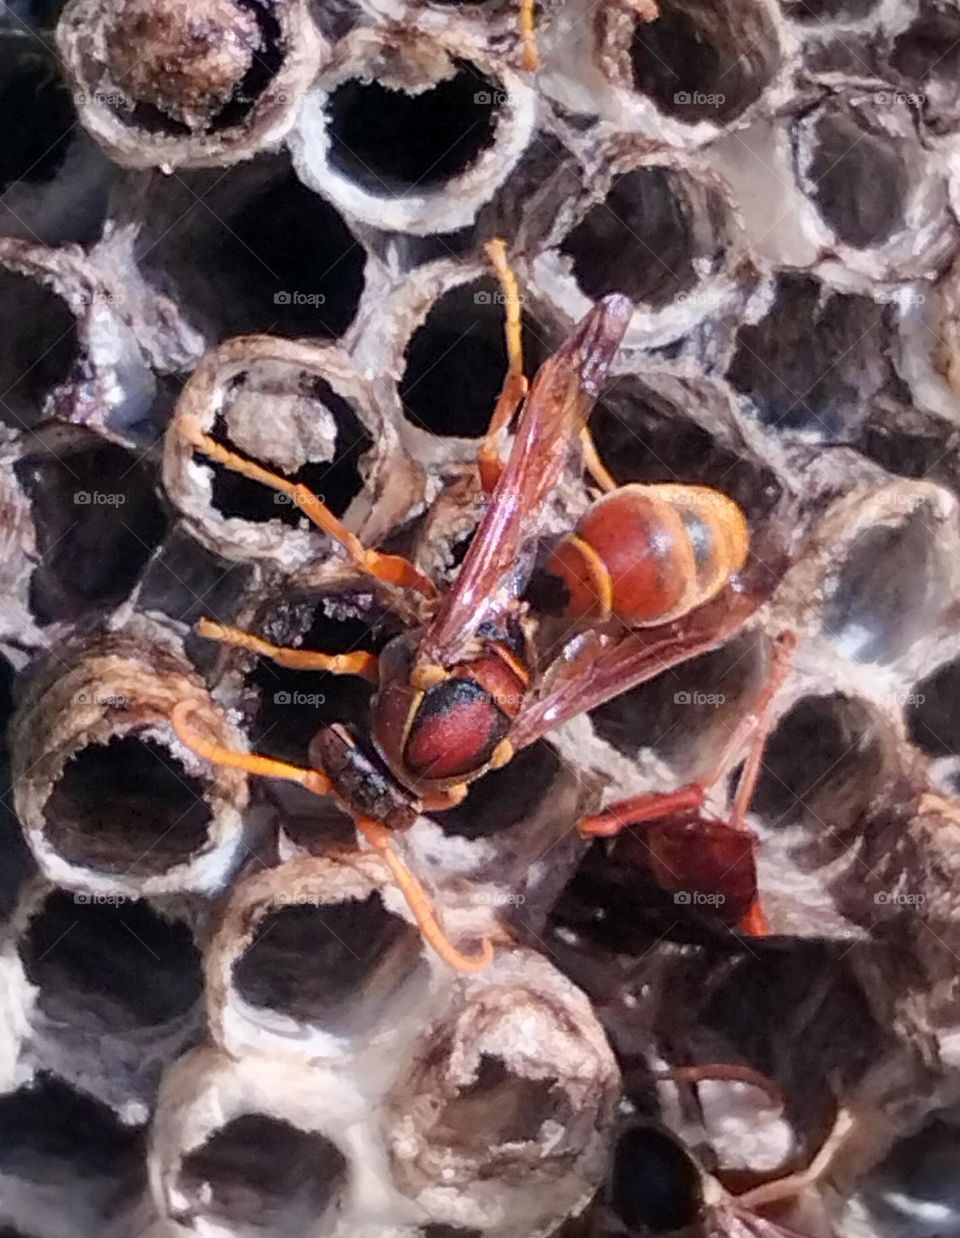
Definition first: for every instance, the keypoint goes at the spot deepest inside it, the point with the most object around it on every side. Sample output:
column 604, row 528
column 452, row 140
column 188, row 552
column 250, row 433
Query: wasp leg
column 760, row 723
column 360, row 663
column 313, row 779
column 531, row 57
column 593, row 464
column 640, row 809
column 515, row 383
column 792, row 1185
column 732, row 1072
column 419, row 902
column 391, row 569
column 376, row 834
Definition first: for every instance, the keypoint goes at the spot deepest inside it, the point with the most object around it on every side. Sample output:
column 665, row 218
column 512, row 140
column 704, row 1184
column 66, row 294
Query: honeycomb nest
column 218, row 1018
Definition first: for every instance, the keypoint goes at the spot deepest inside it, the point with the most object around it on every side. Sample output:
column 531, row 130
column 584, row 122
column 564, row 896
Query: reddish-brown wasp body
column 457, row 695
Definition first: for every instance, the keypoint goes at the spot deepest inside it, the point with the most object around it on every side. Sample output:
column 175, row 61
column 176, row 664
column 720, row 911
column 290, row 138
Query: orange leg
column 391, row 569
column 792, row 1185
column 417, row 900
column 515, row 384
column 725, row 1072
column 377, row 835
column 531, row 57
column 593, row 464
column 360, row 663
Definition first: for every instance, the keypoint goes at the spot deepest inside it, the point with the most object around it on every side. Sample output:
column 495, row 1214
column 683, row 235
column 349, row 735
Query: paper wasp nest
column 216, row 1017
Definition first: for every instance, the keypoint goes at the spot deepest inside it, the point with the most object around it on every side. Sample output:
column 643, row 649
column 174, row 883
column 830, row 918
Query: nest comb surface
column 216, row 1016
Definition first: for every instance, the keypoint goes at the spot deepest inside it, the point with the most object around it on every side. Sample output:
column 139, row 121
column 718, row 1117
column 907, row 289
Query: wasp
column 649, row 573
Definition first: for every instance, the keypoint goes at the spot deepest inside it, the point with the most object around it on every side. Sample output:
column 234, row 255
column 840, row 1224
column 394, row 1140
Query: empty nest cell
column 705, row 60
column 41, row 352
column 96, row 521
column 814, row 362
column 412, row 135
column 456, row 359
column 262, row 253
column 260, row 1174
column 127, row 806
column 105, row 966
column 890, row 587
column 33, row 150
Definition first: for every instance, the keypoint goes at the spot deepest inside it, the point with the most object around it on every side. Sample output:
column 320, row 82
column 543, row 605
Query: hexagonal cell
column 337, row 479
column 127, row 806
column 912, row 1192
column 97, row 520
column 258, row 1174
column 933, row 719
column 822, row 767
column 33, row 151
column 860, row 176
column 41, row 348
column 391, row 142
column 108, row 967
column 334, row 965
column 65, row 1160
column 926, row 54
column 705, row 61
column 262, row 253
column 815, row 361
column 654, row 1185
column 890, row 587
column 456, row 360
column 638, row 241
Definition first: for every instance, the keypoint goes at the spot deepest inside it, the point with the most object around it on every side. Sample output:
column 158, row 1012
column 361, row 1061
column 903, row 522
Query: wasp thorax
column 649, row 554
column 455, row 731
column 182, row 57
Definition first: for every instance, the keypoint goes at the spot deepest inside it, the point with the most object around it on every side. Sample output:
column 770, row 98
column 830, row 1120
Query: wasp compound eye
column 655, row 1185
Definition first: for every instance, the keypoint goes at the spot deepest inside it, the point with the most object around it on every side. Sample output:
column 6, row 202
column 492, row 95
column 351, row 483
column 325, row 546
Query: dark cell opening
column 40, row 348
column 821, row 768
column 654, row 1183
column 262, row 254
column 47, row 1131
column 933, row 716
column 637, row 241
column 916, row 1180
column 498, row 1107
column 37, row 117
column 107, row 967
column 887, row 591
column 929, row 47
column 456, row 361
column 266, row 1174
column 98, row 520
column 449, row 1231
column 126, row 806
column 312, row 963
column 861, row 181
column 389, row 142
column 702, row 62
column 815, row 361
column 336, row 481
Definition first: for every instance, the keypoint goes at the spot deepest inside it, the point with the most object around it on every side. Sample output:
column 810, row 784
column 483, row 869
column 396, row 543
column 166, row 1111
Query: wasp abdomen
column 649, row 554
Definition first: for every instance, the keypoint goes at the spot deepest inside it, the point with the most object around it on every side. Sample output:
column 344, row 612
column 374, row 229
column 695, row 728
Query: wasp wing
column 496, row 567
column 594, row 668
